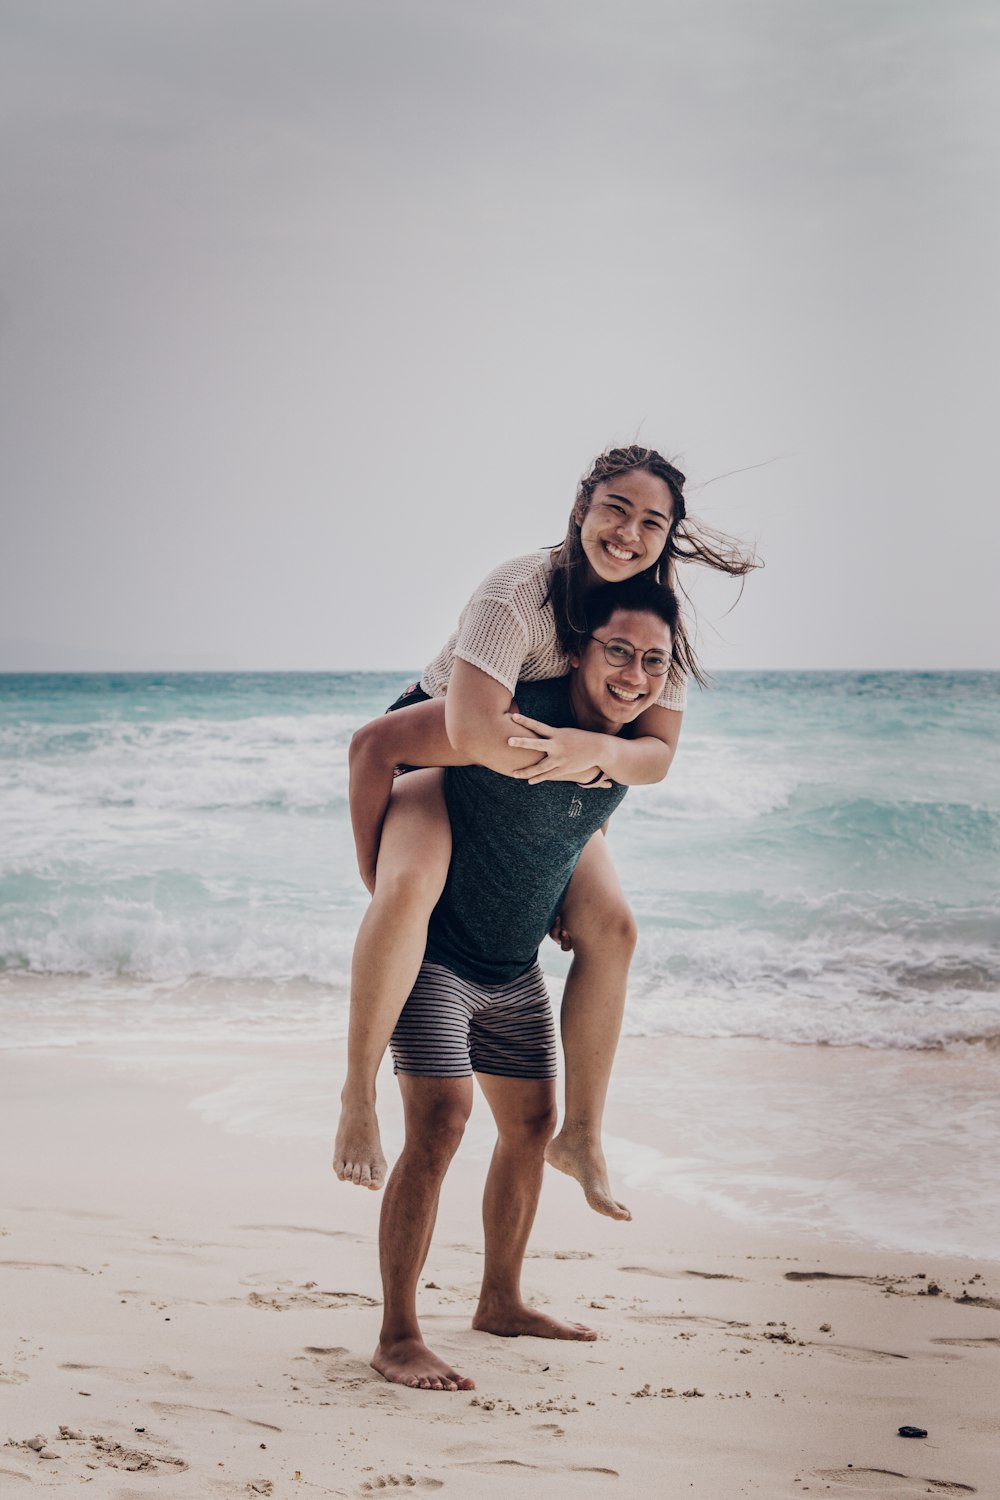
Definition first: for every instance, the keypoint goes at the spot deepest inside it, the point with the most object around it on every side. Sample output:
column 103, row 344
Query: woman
column 629, row 517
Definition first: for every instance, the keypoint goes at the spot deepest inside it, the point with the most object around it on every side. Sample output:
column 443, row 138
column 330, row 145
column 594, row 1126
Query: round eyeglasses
column 618, row 653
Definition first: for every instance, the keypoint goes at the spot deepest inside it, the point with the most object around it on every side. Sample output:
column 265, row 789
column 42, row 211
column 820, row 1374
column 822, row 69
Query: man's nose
column 633, row 671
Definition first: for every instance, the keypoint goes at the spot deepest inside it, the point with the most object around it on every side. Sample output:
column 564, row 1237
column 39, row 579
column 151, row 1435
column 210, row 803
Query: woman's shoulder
column 523, row 579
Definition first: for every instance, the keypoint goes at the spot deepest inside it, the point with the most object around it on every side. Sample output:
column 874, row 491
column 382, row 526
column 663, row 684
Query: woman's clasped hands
column 568, row 754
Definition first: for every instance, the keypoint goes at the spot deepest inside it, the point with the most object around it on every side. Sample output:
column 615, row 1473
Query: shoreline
column 212, row 1284
column 874, row 1147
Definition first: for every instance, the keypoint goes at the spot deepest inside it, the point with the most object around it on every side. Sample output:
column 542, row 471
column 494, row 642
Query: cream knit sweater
column 509, row 632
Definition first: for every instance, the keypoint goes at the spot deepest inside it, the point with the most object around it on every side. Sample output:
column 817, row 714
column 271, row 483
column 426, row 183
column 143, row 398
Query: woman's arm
column 630, row 762
column 480, row 727
column 413, row 736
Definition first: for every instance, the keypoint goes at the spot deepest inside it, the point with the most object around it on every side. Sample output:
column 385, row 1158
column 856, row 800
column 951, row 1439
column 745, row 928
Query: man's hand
column 569, row 754
column 559, row 934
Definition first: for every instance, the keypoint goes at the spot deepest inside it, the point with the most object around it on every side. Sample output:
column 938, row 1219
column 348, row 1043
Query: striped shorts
column 452, row 1027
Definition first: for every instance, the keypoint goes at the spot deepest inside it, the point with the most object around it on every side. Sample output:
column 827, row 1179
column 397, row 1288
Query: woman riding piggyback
column 629, row 518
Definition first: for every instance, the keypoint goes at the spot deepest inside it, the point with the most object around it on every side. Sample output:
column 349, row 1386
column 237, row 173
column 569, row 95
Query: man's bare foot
column 508, row 1320
column 581, row 1157
column 357, row 1155
column 410, row 1362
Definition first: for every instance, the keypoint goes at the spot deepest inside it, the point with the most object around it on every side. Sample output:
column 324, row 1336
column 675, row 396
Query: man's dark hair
column 639, row 593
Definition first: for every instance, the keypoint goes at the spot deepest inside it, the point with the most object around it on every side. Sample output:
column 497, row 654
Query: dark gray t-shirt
column 514, row 850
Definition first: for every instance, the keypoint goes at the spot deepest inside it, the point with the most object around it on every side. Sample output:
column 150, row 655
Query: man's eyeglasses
column 619, row 653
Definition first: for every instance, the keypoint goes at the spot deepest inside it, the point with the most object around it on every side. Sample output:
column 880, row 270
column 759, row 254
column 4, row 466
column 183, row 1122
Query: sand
column 190, row 1300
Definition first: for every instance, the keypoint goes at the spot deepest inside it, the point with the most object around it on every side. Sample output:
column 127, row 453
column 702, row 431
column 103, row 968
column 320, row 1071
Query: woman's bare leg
column 412, row 868
column 602, row 929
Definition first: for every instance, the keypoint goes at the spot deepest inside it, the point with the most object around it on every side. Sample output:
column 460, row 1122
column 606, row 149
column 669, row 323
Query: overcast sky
column 312, row 311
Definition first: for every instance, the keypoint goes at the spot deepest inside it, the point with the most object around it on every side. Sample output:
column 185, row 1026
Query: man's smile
column 625, row 695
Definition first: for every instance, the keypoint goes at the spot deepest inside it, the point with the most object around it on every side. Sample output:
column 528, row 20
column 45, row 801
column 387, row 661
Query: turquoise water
column 821, row 865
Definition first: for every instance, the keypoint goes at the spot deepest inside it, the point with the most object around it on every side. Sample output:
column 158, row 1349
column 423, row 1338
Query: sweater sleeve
column 673, row 693
column 492, row 636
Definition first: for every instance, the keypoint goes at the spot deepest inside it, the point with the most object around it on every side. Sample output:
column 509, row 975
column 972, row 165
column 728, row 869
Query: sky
column 313, row 311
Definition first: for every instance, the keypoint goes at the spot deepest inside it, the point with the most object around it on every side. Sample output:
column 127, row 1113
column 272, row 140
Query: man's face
column 605, row 695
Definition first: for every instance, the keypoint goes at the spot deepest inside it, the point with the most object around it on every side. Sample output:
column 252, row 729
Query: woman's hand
column 568, row 754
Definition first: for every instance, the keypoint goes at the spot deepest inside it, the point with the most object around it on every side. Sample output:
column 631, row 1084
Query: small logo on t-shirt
column 575, row 808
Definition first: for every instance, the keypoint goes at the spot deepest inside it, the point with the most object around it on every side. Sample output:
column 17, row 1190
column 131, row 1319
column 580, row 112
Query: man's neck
column 585, row 714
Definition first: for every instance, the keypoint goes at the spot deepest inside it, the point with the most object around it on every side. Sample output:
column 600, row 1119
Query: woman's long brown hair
column 688, row 540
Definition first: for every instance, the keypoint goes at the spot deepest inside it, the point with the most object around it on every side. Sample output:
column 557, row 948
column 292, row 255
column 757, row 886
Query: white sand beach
column 190, row 1301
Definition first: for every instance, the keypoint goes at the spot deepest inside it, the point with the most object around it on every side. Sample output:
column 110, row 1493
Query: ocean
column 820, row 867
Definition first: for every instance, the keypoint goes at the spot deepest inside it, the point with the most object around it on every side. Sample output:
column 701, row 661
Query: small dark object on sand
column 913, row 1432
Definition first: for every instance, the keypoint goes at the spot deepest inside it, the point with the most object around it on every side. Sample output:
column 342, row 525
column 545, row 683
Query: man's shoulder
column 546, row 695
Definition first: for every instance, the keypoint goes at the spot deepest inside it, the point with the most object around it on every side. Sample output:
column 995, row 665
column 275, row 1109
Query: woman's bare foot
column 511, row 1319
column 580, row 1156
column 410, row 1362
column 357, row 1155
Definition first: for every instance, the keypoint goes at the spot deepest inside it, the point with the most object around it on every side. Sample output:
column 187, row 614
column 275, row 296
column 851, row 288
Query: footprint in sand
column 889, row 1483
column 399, row 1482
column 679, row 1275
column 986, row 1343
column 334, row 1366
column 858, row 1351
column 97, row 1451
column 333, row 1234
column 517, row 1463
column 559, row 1255
column 308, row 1295
column 662, row 1320
column 181, row 1408
column 44, row 1265
column 833, row 1276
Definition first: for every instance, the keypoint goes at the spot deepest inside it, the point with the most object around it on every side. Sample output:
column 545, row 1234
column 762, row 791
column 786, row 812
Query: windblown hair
column 688, row 540
column 640, row 593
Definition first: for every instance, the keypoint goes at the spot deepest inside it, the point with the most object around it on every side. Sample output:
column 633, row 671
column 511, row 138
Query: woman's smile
column 626, row 525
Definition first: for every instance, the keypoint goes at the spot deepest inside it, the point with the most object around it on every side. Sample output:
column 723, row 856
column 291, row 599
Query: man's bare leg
column 525, row 1113
column 602, row 930
column 436, row 1110
column 389, row 949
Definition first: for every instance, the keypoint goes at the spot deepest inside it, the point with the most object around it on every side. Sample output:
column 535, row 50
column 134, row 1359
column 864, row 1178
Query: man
column 479, row 1004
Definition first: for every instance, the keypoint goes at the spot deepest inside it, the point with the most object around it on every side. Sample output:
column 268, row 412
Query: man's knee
column 434, row 1131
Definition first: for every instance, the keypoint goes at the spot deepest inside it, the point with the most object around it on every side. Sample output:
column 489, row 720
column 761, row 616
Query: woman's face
column 626, row 527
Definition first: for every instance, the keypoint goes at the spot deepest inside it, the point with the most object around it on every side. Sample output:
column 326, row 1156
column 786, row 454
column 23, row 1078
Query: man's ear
column 574, row 660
